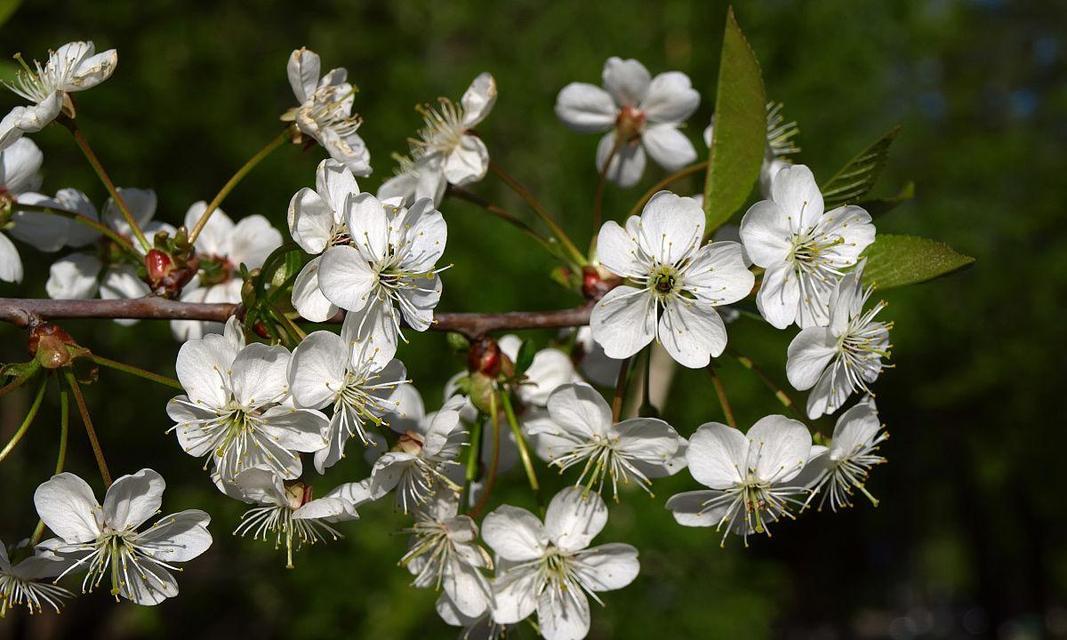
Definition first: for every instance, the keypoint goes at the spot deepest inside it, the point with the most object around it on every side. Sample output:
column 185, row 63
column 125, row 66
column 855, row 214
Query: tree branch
column 24, row 311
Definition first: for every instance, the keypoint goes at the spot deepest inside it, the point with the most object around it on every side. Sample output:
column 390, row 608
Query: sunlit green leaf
column 855, row 179
column 898, row 260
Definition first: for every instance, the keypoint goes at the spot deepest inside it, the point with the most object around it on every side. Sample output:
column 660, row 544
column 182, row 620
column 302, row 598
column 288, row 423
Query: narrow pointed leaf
column 898, row 260
column 739, row 137
column 879, row 206
column 855, row 179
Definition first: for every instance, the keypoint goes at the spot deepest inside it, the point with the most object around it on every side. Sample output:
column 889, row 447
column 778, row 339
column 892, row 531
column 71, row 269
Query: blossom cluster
column 262, row 397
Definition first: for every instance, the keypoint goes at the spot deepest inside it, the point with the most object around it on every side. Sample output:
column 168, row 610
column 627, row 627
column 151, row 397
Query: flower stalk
column 26, row 422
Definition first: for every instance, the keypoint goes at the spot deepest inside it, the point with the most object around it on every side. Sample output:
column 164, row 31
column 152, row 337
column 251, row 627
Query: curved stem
column 83, row 144
column 664, row 183
column 598, row 199
column 137, row 371
column 61, row 457
column 720, row 391
column 474, row 453
column 94, row 442
column 548, row 244
column 245, row 169
column 524, row 452
column 490, row 477
column 26, row 422
column 541, row 212
column 100, row 227
column 778, row 392
column 620, row 389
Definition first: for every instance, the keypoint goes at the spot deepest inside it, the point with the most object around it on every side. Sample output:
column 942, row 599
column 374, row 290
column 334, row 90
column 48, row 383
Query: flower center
column 665, row 281
column 629, row 124
column 443, row 128
column 410, row 443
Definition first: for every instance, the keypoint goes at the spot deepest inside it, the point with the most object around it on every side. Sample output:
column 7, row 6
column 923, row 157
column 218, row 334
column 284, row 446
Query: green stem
column 94, row 442
column 137, row 371
column 620, row 390
column 598, row 198
column 548, row 244
column 83, row 144
column 720, row 391
column 490, row 478
column 26, row 422
column 245, row 169
column 666, row 182
column 778, row 392
column 61, row 458
column 100, row 227
column 541, row 212
column 524, row 452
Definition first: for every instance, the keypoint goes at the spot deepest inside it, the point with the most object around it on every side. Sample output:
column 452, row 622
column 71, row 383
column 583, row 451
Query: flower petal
column 303, row 70
column 671, row 226
column 778, row 299
column 668, row 146
column 574, row 518
column 778, row 448
column 766, row 234
column 133, row 498
column 580, row 410
column 627, row 165
column 308, row 298
column 178, row 537
column 809, row 354
column 671, row 98
column 345, row 278
column 514, row 534
column 608, row 566
column 468, row 161
column 586, row 108
column 717, row 455
column 563, row 616
column 73, row 277
column 691, row 334
column 478, row 99
column 626, row 80
column 317, row 369
column 66, row 504
column 203, row 367
column 624, row 321
column 794, row 191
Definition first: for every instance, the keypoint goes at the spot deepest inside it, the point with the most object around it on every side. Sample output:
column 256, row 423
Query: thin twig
column 664, row 183
column 524, row 452
column 61, row 457
column 551, row 245
column 490, row 477
column 720, row 391
column 539, row 209
column 94, row 442
column 779, row 393
column 81, row 219
column 620, row 390
column 26, row 422
column 137, row 371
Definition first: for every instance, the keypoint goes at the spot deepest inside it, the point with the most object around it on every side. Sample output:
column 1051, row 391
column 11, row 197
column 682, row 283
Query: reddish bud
column 597, row 281
column 484, row 357
column 48, row 330
column 261, row 330
column 158, row 264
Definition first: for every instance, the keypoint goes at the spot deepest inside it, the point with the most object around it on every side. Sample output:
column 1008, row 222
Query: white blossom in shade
column 20, row 166
column 222, row 247
column 479, row 627
column 325, row 110
column 236, row 414
column 75, row 66
column 105, row 539
column 28, row 583
column 803, row 249
column 580, row 432
column 595, row 365
column 671, row 286
column 844, row 466
column 780, row 145
column 82, row 275
column 424, row 458
column 844, row 357
column 317, row 221
column 446, row 150
column 549, row 369
column 748, row 476
column 288, row 511
column 550, row 568
column 49, row 232
column 639, row 113
column 443, row 553
column 386, row 273
column 326, row 372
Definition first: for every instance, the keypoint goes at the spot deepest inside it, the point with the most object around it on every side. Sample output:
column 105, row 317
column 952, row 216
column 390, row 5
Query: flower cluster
column 262, row 396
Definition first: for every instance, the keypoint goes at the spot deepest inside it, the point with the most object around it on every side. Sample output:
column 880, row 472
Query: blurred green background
column 967, row 541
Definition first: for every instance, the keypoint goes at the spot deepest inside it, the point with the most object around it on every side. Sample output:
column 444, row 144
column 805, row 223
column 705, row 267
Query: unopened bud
column 158, row 264
column 597, row 281
column 482, row 388
column 484, row 357
column 297, row 494
column 52, row 353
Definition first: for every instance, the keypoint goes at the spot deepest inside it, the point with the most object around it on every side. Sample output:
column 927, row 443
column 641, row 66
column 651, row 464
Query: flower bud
column 484, row 357
column 409, row 443
column 159, row 265
column 597, row 281
column 482, row 388
column 297, row 494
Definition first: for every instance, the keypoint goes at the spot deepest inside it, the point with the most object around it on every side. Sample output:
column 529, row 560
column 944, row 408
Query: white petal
column 218, row 232
column 134, row 498
column 296, row 429
column 372, row 331
column 624, row 321
column 830, row 392
column 78, row 235
column 778, row 448
column 150, row 588
column 688, row 508
column 345, row 278
column 608, row 566
column 94, row 69
column 766, row 234
column 586, row 108
column 717, row 274
column 317, row 369
column 514, row 593
column 303, row 69
column 478, row 99
column 691, row 334
column 626, row 80
column 73, row 277
column 178, row 537
column 809, row 354
column 10, row 262
column 853, row 226
column 563, row 616
column 550, row 369
column 426, row 236
column 580, row 410
column 467, row 588
column 258, row 374
column 140, row 202
column 122, row 282
column 335, row 183
column 368, row 226
column 856, row 428
column 794, row 190
column 253, row 240
column 617, row 250
column 468, row 162
column 671, row 98
column 778, row 298
column 574, row 518
column 627, row 165
column 66, row 504
column 20, row 166
column 308, row 298
column 668, row 146
column 671, row 226
column 716, row 455
column 514, row 533
column 647, row 439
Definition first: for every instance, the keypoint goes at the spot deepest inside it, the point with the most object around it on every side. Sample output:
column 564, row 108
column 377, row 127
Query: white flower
column 317, row 221
column 222, row 247
column 549, row 568
column 780, row 145
column 748, row 475
column 325, row 111
column 22, row 584
column 479, row 627
column 72, row 67
column 666, row 268
column 105, row 540
column 424, row 457
column 844, row 466
column 234, row 413
column 444, row 554
column 387, row 271
column 596, row 366
column 446, row 149
column 579, row 431
column 844, row 357
column 288, row 509
column 83, row 274
column 20, row 166
column 640, row 114
column 803, row 249
column 324, row 371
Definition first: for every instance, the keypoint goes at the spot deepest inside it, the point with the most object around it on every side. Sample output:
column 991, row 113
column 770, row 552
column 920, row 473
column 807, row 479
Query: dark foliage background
column 967, row 540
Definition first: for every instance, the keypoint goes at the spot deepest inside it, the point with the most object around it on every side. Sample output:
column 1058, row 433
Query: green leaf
column 739, row 137
column 879, row 206
column 897, row 260
column 857, row 177
column 526, row 355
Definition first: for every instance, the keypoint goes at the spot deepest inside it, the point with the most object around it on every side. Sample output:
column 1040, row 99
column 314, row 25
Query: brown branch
column 24, row 311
